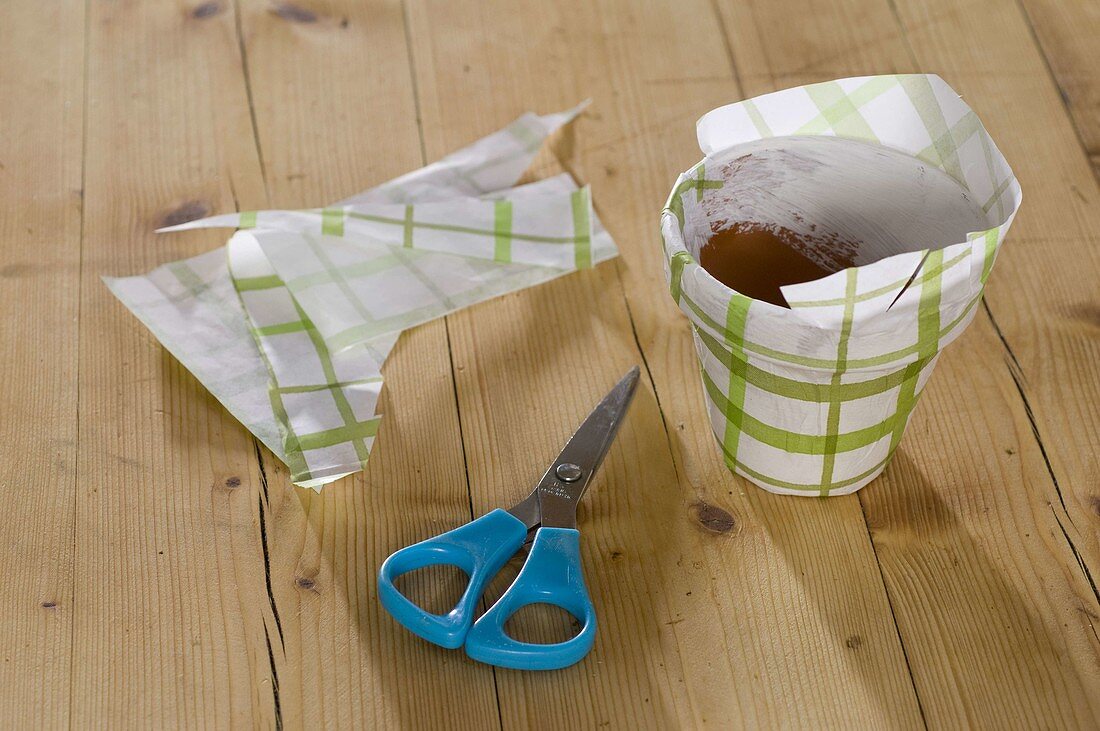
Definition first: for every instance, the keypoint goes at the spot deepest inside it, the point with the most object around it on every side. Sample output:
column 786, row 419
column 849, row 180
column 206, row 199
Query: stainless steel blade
column 567, row 479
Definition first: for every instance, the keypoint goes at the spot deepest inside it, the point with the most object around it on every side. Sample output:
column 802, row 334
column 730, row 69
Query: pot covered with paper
column 833, row 240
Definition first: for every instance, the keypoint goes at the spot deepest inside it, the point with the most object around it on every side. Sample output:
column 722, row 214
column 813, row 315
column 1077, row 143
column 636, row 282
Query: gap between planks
column 415, row 89
column 243, row 51
column 263, row 500
column 1011, row 363
column 1064, row 97
column 79, row 307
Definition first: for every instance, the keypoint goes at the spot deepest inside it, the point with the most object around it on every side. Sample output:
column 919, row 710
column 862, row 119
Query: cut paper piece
column 548, row 230
column 325, row 402
column 326, row 310
column 310, row 397
column 192, row 308
column 385, row 269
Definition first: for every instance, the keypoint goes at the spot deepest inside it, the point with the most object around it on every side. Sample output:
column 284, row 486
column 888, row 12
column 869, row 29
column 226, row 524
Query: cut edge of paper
column 520, row 141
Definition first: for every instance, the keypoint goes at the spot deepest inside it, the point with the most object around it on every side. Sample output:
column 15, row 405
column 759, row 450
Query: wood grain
column 335, row 113
column 40, row 178
column 1045, row 299
column 1067, row 33
column 1047, row 281
column 969, row 514
column 690, row 617
column 162, row 570
column 168, row 599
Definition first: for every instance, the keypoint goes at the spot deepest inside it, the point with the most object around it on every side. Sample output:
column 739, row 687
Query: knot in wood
column 713, row 518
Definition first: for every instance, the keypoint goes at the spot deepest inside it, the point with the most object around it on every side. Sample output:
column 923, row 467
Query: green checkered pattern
column 327, row 292
column 325, row 402
column 192, row 308
column 813, row 400
column 288, row 326
column 365, row 270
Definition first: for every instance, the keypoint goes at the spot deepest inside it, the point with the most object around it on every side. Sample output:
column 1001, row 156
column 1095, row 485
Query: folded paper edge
column 713, row 144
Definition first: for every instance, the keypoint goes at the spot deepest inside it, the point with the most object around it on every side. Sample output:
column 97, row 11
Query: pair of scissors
column 546, row 520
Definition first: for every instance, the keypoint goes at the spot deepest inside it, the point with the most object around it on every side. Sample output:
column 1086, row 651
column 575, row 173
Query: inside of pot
column 786, row 210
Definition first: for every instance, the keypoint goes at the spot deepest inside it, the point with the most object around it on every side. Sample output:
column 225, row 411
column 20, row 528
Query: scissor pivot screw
column 568, row 472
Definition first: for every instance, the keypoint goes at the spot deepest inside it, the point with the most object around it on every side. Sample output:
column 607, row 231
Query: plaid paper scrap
column 191, row 307
column 813, row 400
column 551, row 230
column 326, row 309
column 314, row 407
column 363, row 271
column 325, row 402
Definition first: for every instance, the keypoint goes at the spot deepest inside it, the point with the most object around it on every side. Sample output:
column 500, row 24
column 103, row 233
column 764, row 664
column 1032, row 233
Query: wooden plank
column 1000, row 637
column 1067, row 33
column 996, row 615
column 335, row 113
column 41, row 79
column 1045, row 299
column 169, row 599
column 995, row 612
column 777, row 614
column 1043, row 306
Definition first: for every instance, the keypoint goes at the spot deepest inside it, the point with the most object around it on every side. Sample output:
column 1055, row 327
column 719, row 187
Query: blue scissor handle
column 480, row 548
column 552, row 575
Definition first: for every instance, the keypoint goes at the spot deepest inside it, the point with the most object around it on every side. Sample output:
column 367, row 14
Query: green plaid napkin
column 314, row 300
column 813, row 400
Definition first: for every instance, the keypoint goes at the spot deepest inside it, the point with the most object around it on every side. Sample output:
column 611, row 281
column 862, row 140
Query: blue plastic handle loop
column 480, row 548
column 552, row 575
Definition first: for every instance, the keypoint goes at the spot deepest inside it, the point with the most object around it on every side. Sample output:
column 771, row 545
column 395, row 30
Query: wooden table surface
column 162, row 571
